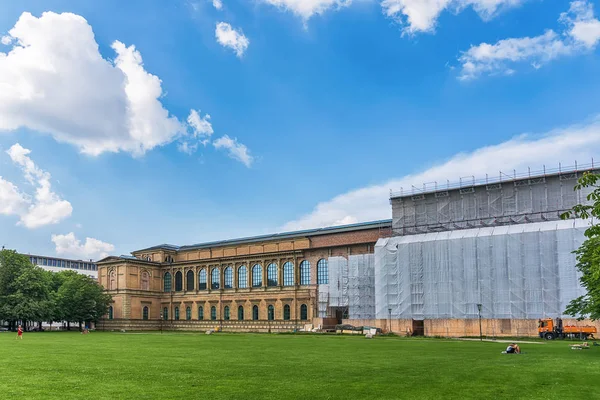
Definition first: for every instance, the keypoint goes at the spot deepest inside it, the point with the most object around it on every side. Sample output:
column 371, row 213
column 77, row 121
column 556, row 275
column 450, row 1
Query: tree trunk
column 68, row 326
column 40, row 326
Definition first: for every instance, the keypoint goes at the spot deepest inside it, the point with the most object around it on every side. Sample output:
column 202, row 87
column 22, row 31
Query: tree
column 588, row 255
column 81, row 299
column 19, row 287
column 28, row 293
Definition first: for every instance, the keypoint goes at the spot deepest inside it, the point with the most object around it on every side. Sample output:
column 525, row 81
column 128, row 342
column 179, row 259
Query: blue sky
column 328, row 105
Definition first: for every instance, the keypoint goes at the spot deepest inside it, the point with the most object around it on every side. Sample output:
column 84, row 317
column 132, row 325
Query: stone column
column 279, row 273
column 235, row 276
column 264, row 274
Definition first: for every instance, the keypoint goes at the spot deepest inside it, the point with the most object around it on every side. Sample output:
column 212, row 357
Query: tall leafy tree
column 81, row 299
column 28, row 293
column 588, row 255
column 14, row 302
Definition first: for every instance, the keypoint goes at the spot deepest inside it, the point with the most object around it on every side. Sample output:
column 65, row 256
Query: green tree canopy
column 29, row 293
column 588, row 255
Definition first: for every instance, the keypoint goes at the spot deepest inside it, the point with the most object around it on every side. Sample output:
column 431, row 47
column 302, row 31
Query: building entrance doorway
column 418, row 327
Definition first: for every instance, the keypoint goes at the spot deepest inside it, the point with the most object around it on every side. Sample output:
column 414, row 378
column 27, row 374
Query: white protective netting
column 351, row 287
column 516, row 272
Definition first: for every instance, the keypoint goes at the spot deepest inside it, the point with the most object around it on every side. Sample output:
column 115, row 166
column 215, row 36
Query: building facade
column 54, row 264
column 265, row 283
column 495, row 252
column 498, row 249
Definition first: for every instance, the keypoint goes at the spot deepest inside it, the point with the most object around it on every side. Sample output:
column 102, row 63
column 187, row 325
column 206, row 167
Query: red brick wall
column 348, row 238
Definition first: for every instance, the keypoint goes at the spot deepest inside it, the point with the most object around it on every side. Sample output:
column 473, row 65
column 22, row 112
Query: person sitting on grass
column 583, row 345
column 513, row 348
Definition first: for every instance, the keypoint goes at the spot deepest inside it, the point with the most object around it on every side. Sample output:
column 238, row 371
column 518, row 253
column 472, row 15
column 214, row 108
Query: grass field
column 245, row 366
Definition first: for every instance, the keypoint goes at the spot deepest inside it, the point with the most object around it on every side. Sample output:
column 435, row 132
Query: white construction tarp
column 515, row 272
column 351, row 287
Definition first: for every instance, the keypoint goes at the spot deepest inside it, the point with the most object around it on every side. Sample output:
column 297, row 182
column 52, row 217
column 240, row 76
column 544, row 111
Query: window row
column 256, row 275
column 53, row 262
column 226, row 313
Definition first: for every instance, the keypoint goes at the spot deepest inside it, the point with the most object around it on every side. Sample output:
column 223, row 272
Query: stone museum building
column 495, row 250
column 252, row 284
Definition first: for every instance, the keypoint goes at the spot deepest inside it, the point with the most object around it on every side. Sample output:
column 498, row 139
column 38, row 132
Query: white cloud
column 218, row 4
column 43, row 208
column 12, row 201
column 371, row 203
column 187, row 147
column 202, row 130
column 307, row 8
column 200, row 126
column 237, row 151
column 582, row 33
column 584, row 27
column 69, row 246
column 6, row 40
column 54, row 80
column 229, row 37
column 422, row 15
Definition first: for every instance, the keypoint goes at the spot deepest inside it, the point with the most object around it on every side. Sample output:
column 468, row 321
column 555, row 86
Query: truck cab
column 548, row 329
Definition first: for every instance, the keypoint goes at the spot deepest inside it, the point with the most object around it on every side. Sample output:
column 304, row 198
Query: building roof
column 284, row 235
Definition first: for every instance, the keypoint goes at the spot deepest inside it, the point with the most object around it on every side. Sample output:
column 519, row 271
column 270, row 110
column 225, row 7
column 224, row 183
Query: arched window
column 215, row 279
column 271, row 312
column 188, row 313
column 189, row 280
column 303, row 312
column 305, row 273
column 112, row 283
column 165, row 313
column 257, row 276
column 255, row 313
column 202, row 279
column 288, row 274
column 213, row 313
column 322, row 272
column 286, row 312
column 167, row 282
column 110, row 312
column 242, row 277
column 228, row 278
column 272, row 275
column 200, row 313
column 226, row 313
column 145, row 280
column 176, row 313
column 178, row 281
column 241, row 313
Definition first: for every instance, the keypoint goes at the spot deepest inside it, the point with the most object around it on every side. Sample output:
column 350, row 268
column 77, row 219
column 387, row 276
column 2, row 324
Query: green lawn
column 247, row 366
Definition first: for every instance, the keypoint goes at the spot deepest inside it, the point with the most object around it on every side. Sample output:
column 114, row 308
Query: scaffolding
column 505, row 200
column 524, row 271
column 350, row 292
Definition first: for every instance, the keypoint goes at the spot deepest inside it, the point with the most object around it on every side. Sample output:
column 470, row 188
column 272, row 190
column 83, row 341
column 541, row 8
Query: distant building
column 54, row 264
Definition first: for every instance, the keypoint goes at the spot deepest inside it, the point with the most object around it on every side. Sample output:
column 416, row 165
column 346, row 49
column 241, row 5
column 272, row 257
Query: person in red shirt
column 20, row 333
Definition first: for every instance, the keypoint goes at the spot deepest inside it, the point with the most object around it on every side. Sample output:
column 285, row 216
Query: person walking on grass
column 20, row 333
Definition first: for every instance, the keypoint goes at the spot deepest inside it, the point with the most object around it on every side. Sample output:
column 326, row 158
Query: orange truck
column 549, row 329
